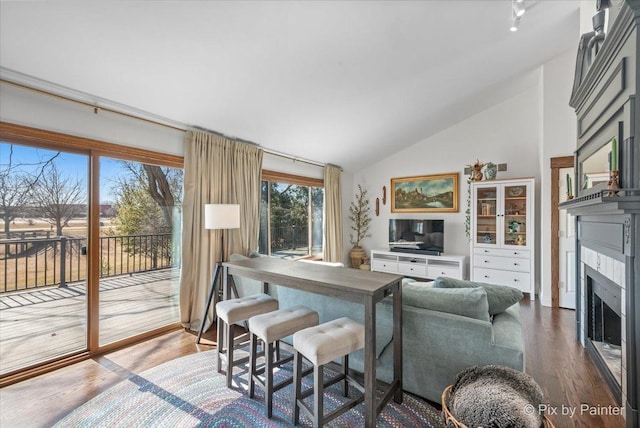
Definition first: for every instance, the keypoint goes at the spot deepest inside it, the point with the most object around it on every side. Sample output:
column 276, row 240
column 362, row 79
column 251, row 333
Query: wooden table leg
column 370, row 406
column 397, row 341
column 225, row 283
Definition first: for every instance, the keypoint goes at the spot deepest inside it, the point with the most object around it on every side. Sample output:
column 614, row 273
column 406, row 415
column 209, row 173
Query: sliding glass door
column 140, row 211
column 43, row 266
column 89, row 247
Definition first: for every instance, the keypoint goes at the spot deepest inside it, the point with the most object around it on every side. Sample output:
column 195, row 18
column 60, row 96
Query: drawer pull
column 516, row 280
column 442, row 273
column 516, row 253
column 486, row 261
column 516, row 264
column 486, row 276
column 486, row 251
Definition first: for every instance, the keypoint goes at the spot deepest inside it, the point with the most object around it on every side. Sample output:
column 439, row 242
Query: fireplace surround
column 607, row 215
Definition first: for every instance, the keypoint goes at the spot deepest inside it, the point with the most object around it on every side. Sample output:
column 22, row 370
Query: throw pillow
column 500, row 297
column 428, row 284
column 467, row 302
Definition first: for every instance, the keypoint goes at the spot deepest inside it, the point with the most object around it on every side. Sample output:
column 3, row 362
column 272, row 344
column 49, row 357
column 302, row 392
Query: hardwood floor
column 553, row 357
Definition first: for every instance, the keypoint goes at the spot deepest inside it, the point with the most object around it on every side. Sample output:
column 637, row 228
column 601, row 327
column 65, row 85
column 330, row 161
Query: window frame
column 285, row 178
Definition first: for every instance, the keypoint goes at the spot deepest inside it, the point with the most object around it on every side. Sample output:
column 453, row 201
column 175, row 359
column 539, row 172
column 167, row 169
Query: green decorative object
column 490, row 171
column 360, row 219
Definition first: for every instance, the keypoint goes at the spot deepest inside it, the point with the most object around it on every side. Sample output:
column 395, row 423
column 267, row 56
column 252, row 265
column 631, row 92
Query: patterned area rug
column 189, row 392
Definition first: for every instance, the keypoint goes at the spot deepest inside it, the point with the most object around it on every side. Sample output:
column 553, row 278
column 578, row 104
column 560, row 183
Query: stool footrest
column 326, row 384
column 334, row 413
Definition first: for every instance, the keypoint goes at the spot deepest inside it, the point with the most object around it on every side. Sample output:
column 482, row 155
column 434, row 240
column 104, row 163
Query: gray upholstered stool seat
column 271, row 327
column 237, row 310
column 320, row 345
column 234, row 311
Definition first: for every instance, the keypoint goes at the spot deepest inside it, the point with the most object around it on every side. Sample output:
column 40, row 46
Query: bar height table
column 355, row 285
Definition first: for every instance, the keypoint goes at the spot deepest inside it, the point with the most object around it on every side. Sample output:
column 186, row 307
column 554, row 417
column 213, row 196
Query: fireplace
column 603, row 328
column 607, row 213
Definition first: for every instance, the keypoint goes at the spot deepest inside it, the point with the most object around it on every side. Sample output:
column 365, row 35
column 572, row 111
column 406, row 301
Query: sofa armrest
column 507, row 329
column 438, row 345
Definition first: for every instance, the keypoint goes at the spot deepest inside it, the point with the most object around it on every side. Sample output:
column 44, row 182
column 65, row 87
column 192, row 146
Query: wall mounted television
column 416, row 236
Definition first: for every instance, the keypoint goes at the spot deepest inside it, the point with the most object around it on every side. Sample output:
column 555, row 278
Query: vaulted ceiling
column 340, row 82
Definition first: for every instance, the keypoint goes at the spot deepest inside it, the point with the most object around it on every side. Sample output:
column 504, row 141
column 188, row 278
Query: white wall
column 505, row 133
column 558, row 139
column 36, row 110
column 525, row 132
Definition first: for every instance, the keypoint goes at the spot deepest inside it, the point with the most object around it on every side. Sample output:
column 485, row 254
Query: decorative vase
column 490, row 171
column 357, row 255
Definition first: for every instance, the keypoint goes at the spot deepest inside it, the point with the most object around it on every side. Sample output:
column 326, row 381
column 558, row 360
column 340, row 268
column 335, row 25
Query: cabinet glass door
column 486, row 215
column 515, row 215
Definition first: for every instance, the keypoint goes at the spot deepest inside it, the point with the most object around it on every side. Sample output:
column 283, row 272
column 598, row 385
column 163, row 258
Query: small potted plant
column 360, row 222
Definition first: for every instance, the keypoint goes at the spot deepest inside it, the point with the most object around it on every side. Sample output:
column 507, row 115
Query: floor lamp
column 218, row 217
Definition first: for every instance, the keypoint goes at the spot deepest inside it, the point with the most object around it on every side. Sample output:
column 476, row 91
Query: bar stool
column 234, row 311
column 272, row 327
column 320, row 345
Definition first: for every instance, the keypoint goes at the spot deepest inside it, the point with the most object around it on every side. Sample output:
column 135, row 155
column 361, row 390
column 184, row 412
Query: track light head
column 515, row 24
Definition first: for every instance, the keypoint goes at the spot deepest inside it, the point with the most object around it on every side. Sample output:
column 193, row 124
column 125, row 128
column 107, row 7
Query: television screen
column 416, row 234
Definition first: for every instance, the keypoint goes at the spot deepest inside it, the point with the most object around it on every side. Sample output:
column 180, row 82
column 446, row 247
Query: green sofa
column 437, row 344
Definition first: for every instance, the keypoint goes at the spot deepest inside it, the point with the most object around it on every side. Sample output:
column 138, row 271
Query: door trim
column 556, row 164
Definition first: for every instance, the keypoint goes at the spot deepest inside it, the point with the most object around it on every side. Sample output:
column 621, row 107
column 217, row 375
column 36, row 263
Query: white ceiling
column 340, row 82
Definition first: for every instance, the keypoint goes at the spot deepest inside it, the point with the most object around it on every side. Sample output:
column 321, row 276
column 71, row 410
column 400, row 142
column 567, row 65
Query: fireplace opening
column 604, row 328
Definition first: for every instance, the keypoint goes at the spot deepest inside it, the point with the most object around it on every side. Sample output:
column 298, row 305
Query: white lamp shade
column 222, row 216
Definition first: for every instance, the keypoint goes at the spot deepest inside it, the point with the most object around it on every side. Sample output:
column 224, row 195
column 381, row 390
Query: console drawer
column 436, row 271
column 521, row 254
column 410, row 269
column 384, row 266
column 505, row 263
column 519, row 280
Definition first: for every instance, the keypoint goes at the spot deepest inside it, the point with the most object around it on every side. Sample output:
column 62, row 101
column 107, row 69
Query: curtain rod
column 177, row 127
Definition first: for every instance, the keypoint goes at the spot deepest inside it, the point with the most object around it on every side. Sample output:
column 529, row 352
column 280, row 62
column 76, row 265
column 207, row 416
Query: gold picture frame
column 425, row 194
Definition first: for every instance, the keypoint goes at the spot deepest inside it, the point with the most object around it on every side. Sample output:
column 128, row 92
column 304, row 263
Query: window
column 291, row 215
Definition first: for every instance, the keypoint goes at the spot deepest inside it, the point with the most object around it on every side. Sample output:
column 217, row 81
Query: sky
column 69, row 164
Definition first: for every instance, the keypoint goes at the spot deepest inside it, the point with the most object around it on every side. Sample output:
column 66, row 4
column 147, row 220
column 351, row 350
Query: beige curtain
column 215, row 170
column 333, row 215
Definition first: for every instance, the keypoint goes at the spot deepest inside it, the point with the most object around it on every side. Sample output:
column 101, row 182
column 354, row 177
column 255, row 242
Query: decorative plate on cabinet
column 516, row 191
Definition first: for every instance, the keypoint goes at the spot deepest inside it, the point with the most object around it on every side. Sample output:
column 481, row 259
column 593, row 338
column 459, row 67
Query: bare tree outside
column 162, row 184
column 148, row 201
column 17, row 182
column 60, row 198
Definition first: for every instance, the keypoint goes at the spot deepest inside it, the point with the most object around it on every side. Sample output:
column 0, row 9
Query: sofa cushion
column 500, row 297
column 467, row 302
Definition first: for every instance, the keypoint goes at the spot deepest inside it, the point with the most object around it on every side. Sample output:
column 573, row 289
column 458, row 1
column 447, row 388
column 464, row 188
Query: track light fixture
column 517, row 10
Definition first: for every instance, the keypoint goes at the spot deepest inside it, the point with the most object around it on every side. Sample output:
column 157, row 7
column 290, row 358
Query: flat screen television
column 416, row 235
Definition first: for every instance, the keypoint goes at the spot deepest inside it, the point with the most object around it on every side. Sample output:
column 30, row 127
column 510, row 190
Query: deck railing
column 40, row 262
column 289, row 237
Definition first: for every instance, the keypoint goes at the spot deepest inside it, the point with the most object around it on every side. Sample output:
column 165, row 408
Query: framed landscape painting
column 425, row 194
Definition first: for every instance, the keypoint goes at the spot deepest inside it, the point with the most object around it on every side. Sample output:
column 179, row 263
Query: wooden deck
column 40, row 324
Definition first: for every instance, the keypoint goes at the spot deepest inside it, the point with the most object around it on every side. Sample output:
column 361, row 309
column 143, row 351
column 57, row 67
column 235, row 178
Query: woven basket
column 452, row 422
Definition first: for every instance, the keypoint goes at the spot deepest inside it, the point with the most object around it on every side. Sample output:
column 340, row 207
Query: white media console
column 419, row 265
